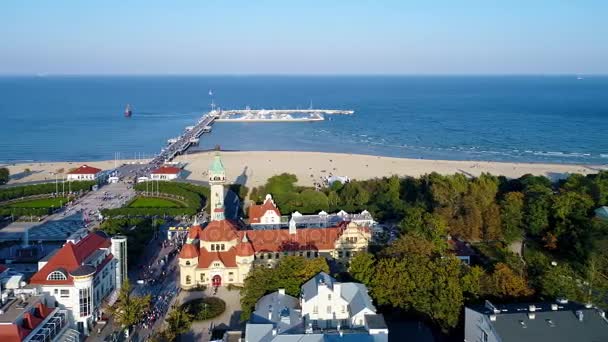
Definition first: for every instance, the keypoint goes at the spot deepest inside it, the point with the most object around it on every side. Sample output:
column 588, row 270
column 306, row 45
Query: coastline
column 253, row 168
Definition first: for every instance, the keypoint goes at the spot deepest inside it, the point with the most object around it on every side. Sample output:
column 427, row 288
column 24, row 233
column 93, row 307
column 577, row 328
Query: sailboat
column 128, row 111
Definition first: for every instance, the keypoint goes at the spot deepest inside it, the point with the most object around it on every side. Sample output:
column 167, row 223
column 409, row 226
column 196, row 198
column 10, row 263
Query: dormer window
column 57, row 275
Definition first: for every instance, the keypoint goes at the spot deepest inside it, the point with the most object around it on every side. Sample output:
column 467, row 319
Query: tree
column 362, row 268
column 512, row 215
column 313, row 201
column 129, row 309
column 560, row 281
column 179, row 322
column 4, row 175
column 505, row 283
column 333, row 200
column 430, row 226
column 537, row 205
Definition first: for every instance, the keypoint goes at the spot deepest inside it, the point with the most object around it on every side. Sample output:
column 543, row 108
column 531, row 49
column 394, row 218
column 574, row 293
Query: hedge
column 193, row 195
column 214, row 307
column 148, row 212
column 38, row 189
column 25, row 211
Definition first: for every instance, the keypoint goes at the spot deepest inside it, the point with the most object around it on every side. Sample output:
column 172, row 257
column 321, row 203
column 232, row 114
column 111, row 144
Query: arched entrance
column 216, row 281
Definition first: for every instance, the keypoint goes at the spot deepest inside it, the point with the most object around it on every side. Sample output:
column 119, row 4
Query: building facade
column 222, row 253
column 82, row 274
column 83, row 173
column 326, row 310
column 165, row 173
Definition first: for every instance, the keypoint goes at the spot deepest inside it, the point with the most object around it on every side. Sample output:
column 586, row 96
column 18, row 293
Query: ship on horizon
column 128, row 111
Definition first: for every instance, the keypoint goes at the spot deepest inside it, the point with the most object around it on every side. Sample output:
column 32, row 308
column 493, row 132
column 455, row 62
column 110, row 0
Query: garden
column 204, row 308
column 154, row 202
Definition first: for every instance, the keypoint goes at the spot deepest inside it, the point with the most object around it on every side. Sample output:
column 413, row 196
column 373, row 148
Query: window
column 216, row 264
column 262, row 256
column 269, row 256
column 316, row 254
column 308, row 254
column 276, row 255
column 213, row 247
column 223, row 247
column 329, row 309
column 202, row 277
column 230, row 273
column 285, row 253
column 315, row 310
column 344, row 311
column 64, row 293
column 348, row 254
column 484, row 336
column 188, row 280
column 188, row 263
column 85, row 302
column 56, row 275
column 339, row 254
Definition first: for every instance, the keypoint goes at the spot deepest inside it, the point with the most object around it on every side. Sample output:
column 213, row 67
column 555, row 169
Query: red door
column 216, row 281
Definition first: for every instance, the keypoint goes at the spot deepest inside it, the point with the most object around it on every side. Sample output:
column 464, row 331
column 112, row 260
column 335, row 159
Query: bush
column 205, row 308
column 38, row 189
column 4, row 175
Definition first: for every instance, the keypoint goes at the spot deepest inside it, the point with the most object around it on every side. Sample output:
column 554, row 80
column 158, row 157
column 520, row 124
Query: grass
column 55, row 202
column 151, row 202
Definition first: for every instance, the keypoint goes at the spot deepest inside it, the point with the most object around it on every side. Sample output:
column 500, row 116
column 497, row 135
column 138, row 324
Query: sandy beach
column 252, row 168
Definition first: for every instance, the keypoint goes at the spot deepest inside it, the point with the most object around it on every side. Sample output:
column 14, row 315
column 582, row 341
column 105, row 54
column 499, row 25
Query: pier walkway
column 180, row 144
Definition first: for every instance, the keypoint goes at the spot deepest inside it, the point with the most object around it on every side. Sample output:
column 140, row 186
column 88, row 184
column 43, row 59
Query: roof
column 602, row 212
column 257, row 211
column 561, row 325
column 283, row 309
column 189, row 251
column 13, row 333
column 375, row 321
column 220, row 230
column 18, row 320
column 460, row 248
column 310, row 288
column 85, row 170
column 228, row 258
column 217, row 166
column 70, row 257
column 166, row 170
column 277, row 240
column 244, row 248
column 195, row 232
column 357, row 296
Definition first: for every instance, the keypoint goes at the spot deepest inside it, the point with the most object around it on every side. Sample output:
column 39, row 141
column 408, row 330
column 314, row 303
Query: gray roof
column 309, row 289
column 562, row 325
column 284, row 312
column 356, row 295
column 602, row 212
column 375, row 322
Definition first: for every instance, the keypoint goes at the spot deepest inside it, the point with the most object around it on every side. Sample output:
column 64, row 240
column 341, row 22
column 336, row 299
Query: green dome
column 217, row 166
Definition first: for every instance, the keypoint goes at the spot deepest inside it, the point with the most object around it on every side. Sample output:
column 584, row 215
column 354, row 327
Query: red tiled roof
column 188, row 251
column 30, row 321
column 43, row 310
column 195, row 232
column 275, row 240
column 222, row 230
column 228, row 258
column 85, row 170
column 3, row 268
column 13, row 333
column 257, row 211
column 244, row 248
column 166, row 170
column 69, row 258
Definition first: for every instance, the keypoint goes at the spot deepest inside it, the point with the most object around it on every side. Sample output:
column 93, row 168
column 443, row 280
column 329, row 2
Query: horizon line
column 44, row 74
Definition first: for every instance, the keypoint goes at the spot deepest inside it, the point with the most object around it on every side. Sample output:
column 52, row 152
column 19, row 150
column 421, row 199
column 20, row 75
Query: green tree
column 313, row 201
column 512, row 215
column 362, row 268
column 129, row 309
column 179, row 322
column 333, row 200
column 4, row 175
column 560, row 281
column 537, row 205
column 505, row 283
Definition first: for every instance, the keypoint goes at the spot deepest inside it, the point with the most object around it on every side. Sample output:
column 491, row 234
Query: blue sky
column 304, row 37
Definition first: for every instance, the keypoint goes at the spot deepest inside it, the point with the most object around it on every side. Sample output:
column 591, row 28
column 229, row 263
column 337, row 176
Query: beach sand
column 46, row 170
column 253, row 168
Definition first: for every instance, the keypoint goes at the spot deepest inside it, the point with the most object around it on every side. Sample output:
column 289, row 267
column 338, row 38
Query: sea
column 556, row 119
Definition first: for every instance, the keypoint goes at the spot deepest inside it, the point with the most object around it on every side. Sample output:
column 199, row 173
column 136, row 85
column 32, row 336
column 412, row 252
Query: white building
column 82, row 273
column 84, row 172
column 29, row 316
column 165, row 173
column 326, row 310
column 217, row 178
column 265, row 215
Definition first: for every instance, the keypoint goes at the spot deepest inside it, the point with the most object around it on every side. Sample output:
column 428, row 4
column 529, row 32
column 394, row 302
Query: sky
column 304, row 37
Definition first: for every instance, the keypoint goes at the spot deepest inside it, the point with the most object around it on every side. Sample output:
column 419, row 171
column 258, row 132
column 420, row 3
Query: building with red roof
column 265, row 215
column 165, row 172
column 27, row 316
column 84, row 272
column 84, row 172
column 221, row 253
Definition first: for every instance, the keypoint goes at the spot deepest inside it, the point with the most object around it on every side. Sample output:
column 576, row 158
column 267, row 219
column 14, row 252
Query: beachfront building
column 29, row 316
column 82, row 274
column 561, row 321
column 265, row 215
column 165, row 173
column 84, row 172
column 326, row 310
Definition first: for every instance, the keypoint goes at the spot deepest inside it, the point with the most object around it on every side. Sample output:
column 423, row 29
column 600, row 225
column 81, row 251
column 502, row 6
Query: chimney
column 493, row 317
column 554, row 307
column 282, row 291
column 292, row 226
column 532, row 308
column 531, row 315
column 269, row 312
column 274, row 332
column 579, row 315
column 337, row 290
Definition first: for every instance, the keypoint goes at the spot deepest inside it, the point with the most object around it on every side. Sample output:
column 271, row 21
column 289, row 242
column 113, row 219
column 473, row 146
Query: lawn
column 150, row 202
column 55, row 202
